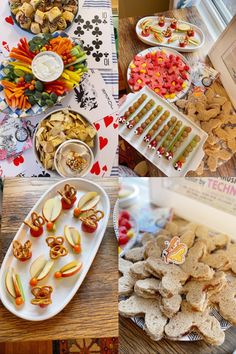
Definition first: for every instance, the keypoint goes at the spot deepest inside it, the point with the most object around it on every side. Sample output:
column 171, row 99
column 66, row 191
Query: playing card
column 92, row 98
column 107, row 129
column 93, row 28
column 15, row 137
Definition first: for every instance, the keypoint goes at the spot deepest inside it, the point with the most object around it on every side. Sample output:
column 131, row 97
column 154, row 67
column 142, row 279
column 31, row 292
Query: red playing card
column 96, row 169
column 102, row 142
column 6, row 46
column 18, row 160
column 108, row 120
column 97, row 126
column 9, row 20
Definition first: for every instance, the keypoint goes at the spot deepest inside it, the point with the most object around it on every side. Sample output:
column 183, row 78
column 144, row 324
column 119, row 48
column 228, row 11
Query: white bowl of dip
column 73, row 158
column 47, row 66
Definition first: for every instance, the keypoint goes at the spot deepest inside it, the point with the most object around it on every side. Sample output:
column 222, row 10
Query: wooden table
column 130, row 45
column 93, row 312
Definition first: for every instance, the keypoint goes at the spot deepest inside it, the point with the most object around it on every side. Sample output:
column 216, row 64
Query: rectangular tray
column 137, row 142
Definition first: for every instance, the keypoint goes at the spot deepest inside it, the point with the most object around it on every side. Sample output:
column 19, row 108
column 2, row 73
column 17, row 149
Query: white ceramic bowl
column 52, row 77
column 73, row 142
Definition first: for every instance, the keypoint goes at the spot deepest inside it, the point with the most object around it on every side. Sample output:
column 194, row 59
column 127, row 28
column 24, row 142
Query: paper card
column 92, row 98
column 15, row 137
column 93, row 28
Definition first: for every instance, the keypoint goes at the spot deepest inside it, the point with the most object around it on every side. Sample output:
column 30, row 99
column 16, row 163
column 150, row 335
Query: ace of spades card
column 93, row 28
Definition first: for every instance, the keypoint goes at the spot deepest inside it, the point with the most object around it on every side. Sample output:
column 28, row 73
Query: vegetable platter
column 39, row 73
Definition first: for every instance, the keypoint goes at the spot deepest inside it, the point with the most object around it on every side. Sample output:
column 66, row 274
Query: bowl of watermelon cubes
column 127, row 231
column 165, row 71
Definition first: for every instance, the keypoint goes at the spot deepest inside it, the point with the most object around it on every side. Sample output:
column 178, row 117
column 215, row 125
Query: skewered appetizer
column 148, row 121
column 156, row 126
column 167, row 127
column 179, row 139
column 170, row 136
column 166, row 74
column 43, row 16
column 133, row 108
column 131, row 123
column 180, row 161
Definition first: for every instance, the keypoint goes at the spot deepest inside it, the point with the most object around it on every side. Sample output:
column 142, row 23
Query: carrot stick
column 21, row 58
column 8, row 101
column 21, row 101
column 8, row 84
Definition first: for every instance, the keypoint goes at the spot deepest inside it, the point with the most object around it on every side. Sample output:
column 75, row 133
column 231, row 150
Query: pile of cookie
column 176, row 300
column 214, row 114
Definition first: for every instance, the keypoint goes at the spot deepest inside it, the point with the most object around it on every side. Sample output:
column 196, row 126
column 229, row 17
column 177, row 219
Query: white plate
column 63, row 289
column 137, row 140
column 130, row 199
column 199, row 36
column 168, row 51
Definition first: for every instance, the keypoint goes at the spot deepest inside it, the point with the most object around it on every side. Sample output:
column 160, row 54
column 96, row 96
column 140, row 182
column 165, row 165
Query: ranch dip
column 47, row 66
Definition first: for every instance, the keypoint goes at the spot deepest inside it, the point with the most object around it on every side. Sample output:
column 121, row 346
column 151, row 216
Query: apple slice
column 69, row 266
column 46, row 270
column 39, row 269
column 52, row 209
column 72, row 271
column 9, row 283
column 14, row 287
column 37, row 266
column 88, row 201
column 73, row 237
column 69, row 269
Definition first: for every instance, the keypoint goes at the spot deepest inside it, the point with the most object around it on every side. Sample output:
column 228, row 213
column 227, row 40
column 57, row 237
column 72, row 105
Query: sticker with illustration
column 15, row 137
column 175, row 251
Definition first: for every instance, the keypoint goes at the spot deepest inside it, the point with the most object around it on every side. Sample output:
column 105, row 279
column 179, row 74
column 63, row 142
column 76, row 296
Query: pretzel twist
column 42, row 295
column 58, row 251
column 37, row 221
column 22, row 251
column 92, row 217
column 68, row 193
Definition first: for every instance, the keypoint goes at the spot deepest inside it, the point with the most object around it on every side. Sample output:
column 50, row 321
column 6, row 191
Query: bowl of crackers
column 65, row 142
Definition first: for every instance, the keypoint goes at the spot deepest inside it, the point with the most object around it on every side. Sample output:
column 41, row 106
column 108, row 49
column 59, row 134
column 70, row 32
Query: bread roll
column 53, row 14
column 27, row 9
column 68, row 16
column 35, row 28
column 39, row 17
